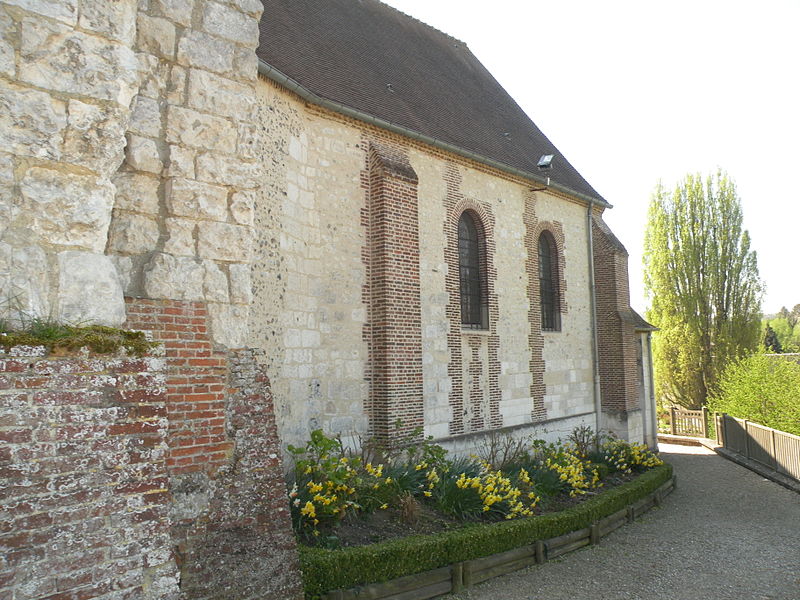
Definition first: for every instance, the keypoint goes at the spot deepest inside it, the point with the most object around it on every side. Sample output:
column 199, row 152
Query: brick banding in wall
column 455, row 205
column 534, row 229
column 394, row 326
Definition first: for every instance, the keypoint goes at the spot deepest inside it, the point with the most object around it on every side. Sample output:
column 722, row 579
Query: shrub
column 764, row 389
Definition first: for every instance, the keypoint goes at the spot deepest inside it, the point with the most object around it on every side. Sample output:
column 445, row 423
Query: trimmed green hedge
column 326, row 570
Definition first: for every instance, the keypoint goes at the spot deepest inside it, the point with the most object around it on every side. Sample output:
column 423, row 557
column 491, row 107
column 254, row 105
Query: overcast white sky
column 635, row 91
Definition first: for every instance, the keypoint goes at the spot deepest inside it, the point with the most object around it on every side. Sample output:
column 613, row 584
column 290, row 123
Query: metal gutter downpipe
column 275, row 75
column 598, row 407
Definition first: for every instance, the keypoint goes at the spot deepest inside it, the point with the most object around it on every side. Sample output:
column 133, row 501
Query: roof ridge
column 428, row 25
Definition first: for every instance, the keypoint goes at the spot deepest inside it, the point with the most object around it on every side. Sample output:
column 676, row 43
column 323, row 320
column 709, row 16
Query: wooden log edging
column 456, row 577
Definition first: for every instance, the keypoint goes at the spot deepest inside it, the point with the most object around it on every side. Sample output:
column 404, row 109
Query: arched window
column 548, row 283
column 473, row 311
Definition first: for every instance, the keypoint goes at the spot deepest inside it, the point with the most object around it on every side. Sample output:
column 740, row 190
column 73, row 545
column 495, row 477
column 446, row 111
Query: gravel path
column 725, row 533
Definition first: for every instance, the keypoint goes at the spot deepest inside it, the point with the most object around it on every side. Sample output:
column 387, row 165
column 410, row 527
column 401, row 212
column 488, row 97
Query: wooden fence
column 688, row 422
column 776, row 450
column 456, row 577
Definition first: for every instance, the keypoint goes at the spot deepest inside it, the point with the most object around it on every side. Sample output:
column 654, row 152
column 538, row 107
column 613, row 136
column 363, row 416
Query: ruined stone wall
column 85, row 499
column 127, row 157
column 68, row 74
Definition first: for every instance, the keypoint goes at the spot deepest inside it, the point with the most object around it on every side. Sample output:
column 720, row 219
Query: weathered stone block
column 95, row 136
column 243, row 207
column 89, row 289
column 176, row 88
column 137, row 192
column 154, row 75
column 175, row 277
column 215, row 283
column 142, row 155
column 197, row 49
column 179, row 11
column 227, row 170
column 24, row 283
column 181, row 237
column 115, row 20
column 65, row 11
column 187, row 198
column 191, row 128
column 229, row 324
column 132, row 234
column 219, row 95
column 249, row 139
column 245, row 63
column 155, row 35
column 8, row 33
column 229, row 23
column 254, row 8
column 145, row 117
column 241, row 290
column 221, row 241
column 124, row 267
column 68, row 209
column 56, row 57
column 31, row 122
column 181, row 162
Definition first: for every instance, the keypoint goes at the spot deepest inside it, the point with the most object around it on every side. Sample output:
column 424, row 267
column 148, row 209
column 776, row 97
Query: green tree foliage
column 702, row 279
column 788, row 337
column 771, row 341
column 764, row 389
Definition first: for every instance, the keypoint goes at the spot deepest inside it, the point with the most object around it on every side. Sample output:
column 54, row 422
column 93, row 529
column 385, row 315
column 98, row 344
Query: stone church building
column 332, row 216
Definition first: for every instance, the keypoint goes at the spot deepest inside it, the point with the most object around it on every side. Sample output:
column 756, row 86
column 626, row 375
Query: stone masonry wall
column 183, row 213
column 84, row 503
column 312, row 285
column 67, row 77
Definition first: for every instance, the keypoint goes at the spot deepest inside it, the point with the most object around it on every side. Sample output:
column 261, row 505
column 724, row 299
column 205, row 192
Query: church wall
column 308, row 313
column 310, row 310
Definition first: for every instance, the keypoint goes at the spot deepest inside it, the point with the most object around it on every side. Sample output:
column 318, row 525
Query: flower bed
column 491, row 504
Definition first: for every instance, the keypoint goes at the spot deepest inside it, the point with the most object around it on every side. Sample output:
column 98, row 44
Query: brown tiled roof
column 367, row 56
column 639, row 324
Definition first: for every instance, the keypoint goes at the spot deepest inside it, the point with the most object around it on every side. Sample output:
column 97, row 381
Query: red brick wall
column 616, row 337
column 196, row 382
column 394, row 328
column 84, row 494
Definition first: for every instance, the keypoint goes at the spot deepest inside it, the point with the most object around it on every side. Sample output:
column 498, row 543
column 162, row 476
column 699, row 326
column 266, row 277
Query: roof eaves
column 277, row 76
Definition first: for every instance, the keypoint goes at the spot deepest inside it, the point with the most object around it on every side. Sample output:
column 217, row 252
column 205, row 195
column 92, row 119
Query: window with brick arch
column 549, row 297
column 471, row 273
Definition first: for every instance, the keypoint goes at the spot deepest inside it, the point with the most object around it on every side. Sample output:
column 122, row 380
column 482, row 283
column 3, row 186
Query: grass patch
column 59, row 337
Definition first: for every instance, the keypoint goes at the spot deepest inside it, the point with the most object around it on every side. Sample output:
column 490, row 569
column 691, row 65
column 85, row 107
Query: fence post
column 772, row 450
column 705, row 421
column 746, row 438
column 672, row 420
column 725, row 429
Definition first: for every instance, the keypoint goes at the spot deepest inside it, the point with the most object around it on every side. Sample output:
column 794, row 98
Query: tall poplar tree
column 702, row 280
